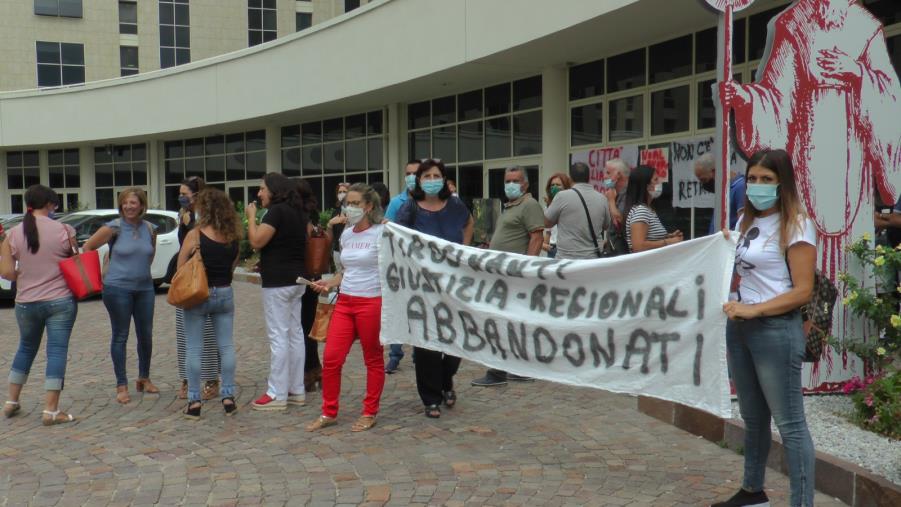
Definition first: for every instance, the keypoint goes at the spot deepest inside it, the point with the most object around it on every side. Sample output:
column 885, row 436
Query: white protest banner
column 596, row 158
column 687, row 191
column 648, row 323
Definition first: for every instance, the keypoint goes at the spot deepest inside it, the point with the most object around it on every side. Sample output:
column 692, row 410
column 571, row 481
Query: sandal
column 364, row 423
column 122, row 394
column 144, row 385
column 433, row 411
column 52, row 418
column 192, row 412
column 230, row 408
column 210, row 390
column 450, row 398
column 11, row 408
column 322, row 422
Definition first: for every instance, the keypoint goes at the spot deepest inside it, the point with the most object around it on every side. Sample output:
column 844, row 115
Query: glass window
column 303, row 20
column 527, row 93
column 705, row 50
column 443, row 110
column 355, row 126
column 311, row 159
column 418, row 115
column 333, row 157
column 194, row 147
column 64, row 169
column 374, row 154
column 374, row 123
column 527, row 133
column 626, row 118
column 290, row 136
column 497, row 99
column 72, row 54
column 706, row 106
column 63, row 8
column 444, row 144
column 469, row 141
column 586, row 80
column 670, row 110
column 22, row 169
column 70, row 8
column 333, row 130
column 175, row 33
column 469, row 105
column 350, row 5
column 128, row 56
column 470, row 183
column 311, row 132
column 626, row 71
column 46, row 7
column 355, row 155
column 757, row 33
column 128, row 17
column 420, row 144
column 215, row 168
column 105, row 198
column 59, row 63
column 255, row 163
column 586, row 123
column 670, row 59
column 498, row 137
column 261, row 22
column 256, row 140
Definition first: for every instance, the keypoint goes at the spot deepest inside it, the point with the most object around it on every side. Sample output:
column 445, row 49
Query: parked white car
column 87, row 223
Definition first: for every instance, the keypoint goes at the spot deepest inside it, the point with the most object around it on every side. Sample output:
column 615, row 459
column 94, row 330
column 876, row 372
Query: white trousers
column 281, row 307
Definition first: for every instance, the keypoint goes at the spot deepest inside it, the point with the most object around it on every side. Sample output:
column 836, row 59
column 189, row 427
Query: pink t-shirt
column 39, row 276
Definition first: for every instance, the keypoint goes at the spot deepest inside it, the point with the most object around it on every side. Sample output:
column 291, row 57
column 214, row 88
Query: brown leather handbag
column 189, row 286
column 318, row 254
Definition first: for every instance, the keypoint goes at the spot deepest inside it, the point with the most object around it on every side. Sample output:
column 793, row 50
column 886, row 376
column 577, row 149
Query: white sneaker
column 297, row 399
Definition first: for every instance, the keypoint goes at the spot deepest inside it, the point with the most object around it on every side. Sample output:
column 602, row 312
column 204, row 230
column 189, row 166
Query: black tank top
column 218, row 259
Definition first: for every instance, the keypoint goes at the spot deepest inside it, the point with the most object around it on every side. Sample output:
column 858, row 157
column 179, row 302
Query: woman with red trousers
column 359, row 307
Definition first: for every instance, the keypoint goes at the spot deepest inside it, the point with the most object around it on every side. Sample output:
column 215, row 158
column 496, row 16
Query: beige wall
column 217, row 27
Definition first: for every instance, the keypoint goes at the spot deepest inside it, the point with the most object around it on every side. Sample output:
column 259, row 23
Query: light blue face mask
column 513, row 190
column 609, row 183
column 762, row 196
column 410, row 181
column 432, row 187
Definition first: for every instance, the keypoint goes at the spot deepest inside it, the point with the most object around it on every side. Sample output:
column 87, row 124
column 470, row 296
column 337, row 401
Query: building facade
column 479, row 92
column 64, row 42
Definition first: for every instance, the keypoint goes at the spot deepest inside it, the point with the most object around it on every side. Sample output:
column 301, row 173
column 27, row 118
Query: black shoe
column 392, row 365
column 193, row 412
column 745, row 499
column 230, row 408
column 519, row 378
column 489, row 380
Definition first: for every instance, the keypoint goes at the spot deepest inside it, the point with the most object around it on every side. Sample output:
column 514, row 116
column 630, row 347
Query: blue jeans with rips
column 58, row 317
column 220, row 308
column 765, row 357
column 123, row 304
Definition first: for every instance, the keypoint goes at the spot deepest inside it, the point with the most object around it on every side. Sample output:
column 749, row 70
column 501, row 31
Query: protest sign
column 658, row 158
column 596, row 158
column 648, row 323
column 687, row 191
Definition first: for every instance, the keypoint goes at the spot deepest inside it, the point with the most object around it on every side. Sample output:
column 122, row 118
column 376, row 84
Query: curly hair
column 216, row 210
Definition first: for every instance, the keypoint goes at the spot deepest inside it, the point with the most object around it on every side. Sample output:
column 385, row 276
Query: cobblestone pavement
column 525, row 444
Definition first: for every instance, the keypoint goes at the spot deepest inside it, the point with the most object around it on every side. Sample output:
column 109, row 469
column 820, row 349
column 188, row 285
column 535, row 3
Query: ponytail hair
column 36, row 197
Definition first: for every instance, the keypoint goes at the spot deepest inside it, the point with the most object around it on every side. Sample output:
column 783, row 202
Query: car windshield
column 85, row 225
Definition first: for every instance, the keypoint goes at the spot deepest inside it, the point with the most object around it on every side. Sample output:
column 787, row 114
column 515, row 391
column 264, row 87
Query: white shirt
column 760, row 261
column 360, row 258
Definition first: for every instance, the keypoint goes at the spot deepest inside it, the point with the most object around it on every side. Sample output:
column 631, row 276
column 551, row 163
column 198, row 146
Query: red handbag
column 82, row 274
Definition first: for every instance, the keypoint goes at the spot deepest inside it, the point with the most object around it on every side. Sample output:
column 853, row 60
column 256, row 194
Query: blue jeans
column 765, row 358
column 58, row 317
column 396, row 352
column 220, row 308
column 122, row 305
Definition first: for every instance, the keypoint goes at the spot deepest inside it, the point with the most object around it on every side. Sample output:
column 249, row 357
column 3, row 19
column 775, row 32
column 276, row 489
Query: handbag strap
column 594, row 237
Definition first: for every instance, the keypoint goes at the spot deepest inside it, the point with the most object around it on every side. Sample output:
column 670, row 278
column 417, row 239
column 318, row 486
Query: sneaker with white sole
column 297, row 399
column 266, row 402
column 745, row 498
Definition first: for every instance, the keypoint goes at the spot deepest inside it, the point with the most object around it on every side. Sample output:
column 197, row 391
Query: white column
column 554, row 117
column 273, row 149
column 395, row 145
column 155, row 175
column 4, row 192
column 87, row 182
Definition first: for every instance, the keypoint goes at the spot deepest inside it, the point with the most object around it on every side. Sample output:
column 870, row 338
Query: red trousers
column 353, row 317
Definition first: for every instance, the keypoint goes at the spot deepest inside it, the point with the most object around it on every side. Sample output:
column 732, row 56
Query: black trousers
column 307, row 315
column 434, row 374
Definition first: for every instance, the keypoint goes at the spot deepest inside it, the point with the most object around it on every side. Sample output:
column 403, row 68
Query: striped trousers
column 209, row 362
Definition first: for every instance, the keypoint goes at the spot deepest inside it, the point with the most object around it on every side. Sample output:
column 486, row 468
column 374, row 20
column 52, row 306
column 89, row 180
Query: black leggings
column 434, row 374
column 307, row 316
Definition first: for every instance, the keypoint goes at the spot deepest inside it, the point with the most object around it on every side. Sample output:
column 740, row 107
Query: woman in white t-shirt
column 359, row 308
column 775, row 261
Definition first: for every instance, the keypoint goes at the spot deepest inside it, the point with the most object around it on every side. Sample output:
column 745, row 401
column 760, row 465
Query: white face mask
column 341, row 196
column 353, row 214
column 656, row 191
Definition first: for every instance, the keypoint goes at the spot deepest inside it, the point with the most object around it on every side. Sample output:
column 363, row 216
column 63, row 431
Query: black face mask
column 709, row 186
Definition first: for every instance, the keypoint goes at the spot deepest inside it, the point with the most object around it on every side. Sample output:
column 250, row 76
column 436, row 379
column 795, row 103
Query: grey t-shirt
column 566, row 211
